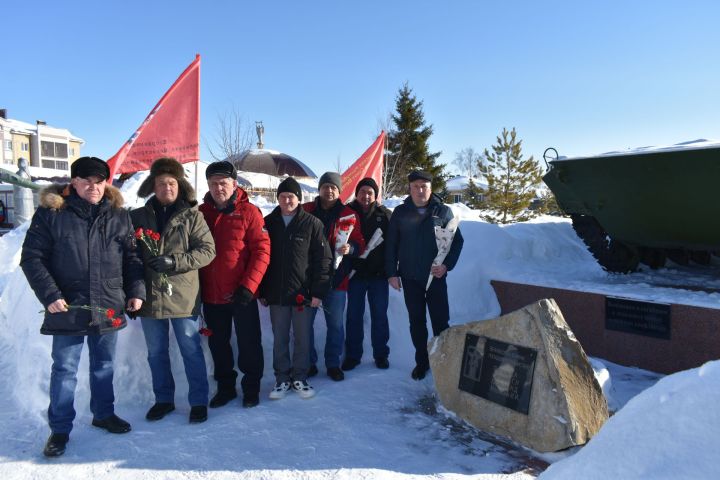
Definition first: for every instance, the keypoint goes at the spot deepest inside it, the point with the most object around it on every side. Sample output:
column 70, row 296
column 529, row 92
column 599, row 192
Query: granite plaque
column 502, row 373
column 641, row 318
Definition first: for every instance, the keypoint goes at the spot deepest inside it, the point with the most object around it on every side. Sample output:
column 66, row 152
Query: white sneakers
column 280, row 390
column 300, row 386
column 303, row 388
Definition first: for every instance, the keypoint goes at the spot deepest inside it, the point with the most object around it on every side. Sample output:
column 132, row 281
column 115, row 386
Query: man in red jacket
column 230, row 282
column 336, row 218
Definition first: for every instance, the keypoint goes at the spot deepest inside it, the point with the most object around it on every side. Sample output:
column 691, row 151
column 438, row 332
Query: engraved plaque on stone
column 641, row 318
column 502, row 373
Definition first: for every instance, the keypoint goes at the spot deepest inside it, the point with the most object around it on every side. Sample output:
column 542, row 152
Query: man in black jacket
column 369, row 279
column 412, row 227
column 297, row 277
column 81, row 261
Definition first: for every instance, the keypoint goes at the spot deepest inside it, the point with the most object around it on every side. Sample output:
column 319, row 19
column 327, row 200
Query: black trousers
column 416, row 301
column 220, row 319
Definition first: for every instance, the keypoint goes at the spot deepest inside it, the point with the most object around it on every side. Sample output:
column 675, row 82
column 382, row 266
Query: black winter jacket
column 378, row 216
column 300, row 259
column 411, row 246
column 84, row 254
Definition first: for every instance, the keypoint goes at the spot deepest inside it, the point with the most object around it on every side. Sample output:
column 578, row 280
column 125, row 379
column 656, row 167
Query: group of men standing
column 89, row 261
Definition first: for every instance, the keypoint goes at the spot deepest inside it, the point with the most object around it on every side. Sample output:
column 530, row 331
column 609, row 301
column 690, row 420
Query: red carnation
column 205, row 332
column 300, row 300
column 139, row 233
column 156, row 236
column 109, row 313
column 148, row 232
column 116, row 322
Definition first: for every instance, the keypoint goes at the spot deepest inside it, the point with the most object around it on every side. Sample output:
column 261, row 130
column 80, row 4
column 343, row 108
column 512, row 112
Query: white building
column 48, row 150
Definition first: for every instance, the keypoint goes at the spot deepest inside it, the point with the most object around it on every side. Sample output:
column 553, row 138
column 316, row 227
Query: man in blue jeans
column 335, row 218
column 184, row 245
column 85, row 288
column 369, row 279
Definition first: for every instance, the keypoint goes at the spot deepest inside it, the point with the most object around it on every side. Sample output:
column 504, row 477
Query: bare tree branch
column 232, row 135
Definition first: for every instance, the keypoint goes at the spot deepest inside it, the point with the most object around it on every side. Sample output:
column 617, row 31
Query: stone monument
column 523, row 376
column 23, row 198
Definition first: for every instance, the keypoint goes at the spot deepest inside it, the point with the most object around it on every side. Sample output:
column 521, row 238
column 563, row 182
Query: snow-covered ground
column 375, row 424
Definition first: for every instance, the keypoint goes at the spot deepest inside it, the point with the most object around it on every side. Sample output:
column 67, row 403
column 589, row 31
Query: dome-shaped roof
column 270, row 162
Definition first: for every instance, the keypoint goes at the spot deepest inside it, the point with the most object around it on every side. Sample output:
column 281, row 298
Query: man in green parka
column 178, row 245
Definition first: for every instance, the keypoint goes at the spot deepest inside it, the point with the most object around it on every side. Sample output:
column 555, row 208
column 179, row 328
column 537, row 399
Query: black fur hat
column 167, row 166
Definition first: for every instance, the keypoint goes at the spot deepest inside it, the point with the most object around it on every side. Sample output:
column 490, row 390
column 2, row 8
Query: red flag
column 370, row 164
column 172, row 129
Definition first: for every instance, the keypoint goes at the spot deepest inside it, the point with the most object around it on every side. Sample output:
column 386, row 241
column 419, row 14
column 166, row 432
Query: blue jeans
column 66, row 351
column 157, row 339
column 334, row 307
column 377, row 291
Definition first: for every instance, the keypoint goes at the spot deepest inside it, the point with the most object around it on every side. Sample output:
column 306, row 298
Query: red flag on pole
column 370, row 164
column 172, row 129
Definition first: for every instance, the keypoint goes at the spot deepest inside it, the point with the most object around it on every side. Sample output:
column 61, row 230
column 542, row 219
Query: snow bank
column 669, row 431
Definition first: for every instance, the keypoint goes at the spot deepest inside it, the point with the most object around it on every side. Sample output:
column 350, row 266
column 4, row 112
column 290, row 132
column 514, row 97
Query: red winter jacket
column 242, row 245
column 330, row 219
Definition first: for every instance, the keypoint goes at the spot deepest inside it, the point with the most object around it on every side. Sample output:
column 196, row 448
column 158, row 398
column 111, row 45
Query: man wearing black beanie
column 298, row 277
column 369, row 280
column 335, row 217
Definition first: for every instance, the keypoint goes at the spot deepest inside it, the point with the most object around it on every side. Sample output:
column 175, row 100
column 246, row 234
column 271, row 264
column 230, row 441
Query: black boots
column 222, row 397
column 251, row 400
column 159, row 410
column 349, row 364
column 112, row 424
column 335, row 374
column 419, row 372
column 55, row 445
column 198, row 414
column 382, row 363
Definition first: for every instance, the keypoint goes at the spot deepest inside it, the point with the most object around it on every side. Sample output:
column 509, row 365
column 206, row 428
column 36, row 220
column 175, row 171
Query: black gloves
column 242, row 296
column 162, row 263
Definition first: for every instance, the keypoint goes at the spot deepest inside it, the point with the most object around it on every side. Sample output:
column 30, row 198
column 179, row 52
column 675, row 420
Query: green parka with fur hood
column 185, row 237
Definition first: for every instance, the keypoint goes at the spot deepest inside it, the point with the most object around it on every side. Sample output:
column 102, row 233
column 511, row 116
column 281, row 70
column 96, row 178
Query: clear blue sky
column 584, row 77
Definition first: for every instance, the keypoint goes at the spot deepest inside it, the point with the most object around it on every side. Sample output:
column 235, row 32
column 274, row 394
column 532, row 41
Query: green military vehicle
column 642, row 206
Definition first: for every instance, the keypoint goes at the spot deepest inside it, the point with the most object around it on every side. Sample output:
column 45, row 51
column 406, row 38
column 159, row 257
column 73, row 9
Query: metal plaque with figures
column 501, row 372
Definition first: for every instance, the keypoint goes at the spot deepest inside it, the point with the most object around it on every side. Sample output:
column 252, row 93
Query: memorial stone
column 523, row 376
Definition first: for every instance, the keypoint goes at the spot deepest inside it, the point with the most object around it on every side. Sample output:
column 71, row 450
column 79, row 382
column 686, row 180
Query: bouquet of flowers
column 443, row 238
column 108, row 312
column 345, row 228
column 375, row 240
column 151, row 239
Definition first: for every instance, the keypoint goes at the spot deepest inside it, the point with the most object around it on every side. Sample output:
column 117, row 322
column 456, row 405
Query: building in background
column 49, row 150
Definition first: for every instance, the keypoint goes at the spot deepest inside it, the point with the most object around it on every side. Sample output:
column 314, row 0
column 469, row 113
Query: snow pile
column 669, row 431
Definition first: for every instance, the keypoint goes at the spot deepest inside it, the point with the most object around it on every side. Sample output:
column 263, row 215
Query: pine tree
column 511, row 180
column 408, row 145
column 473, row 195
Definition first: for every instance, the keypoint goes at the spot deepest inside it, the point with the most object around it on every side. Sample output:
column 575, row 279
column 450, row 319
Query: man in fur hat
column 80, row 259
column 173, row 285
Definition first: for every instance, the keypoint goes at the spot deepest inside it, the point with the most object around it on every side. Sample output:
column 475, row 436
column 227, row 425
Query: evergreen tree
column 548, row 205
column 473, row 195
column 408, row 145
column 511, row 180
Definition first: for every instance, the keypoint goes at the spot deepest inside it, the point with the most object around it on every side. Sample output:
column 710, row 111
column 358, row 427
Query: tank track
column 612, row 255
